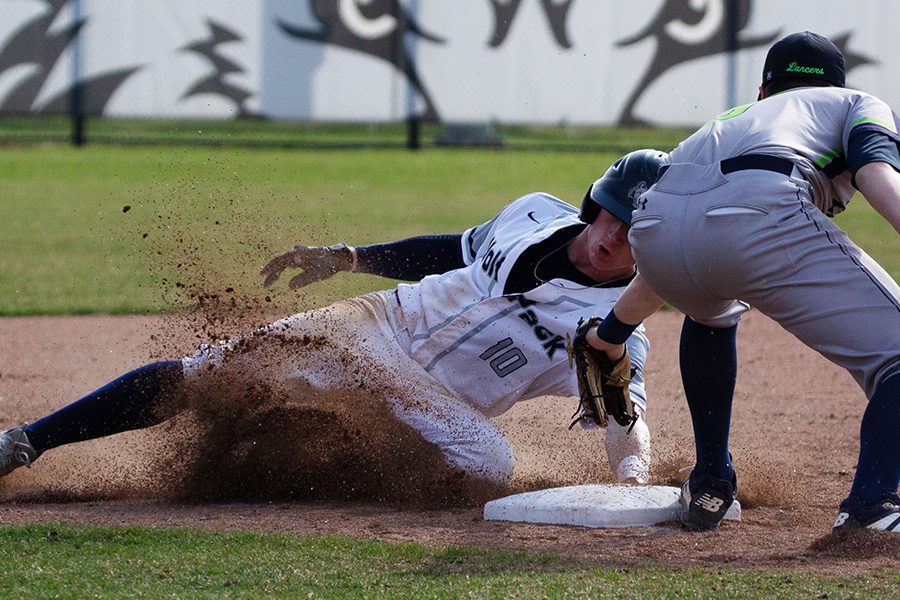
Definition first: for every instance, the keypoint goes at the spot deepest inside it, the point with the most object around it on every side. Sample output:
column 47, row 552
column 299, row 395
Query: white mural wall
column 596, row 62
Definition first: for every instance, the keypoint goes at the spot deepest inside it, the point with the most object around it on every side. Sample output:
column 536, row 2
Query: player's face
column 608, row 247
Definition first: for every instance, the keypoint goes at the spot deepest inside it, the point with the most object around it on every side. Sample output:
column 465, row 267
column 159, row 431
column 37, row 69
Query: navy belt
column 763, row 162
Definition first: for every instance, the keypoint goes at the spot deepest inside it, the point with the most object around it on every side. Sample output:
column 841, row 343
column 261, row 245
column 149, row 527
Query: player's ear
column 762, row 93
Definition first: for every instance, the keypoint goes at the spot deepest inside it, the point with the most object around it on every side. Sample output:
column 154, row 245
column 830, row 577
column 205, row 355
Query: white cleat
column 633, row 470
column 15, row 450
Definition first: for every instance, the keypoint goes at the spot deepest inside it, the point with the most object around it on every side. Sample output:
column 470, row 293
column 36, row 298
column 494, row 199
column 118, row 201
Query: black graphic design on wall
column 684, row 33
column 851, row 59
column 215, row 83
column 376, row 28
column 35, row 45
column 505, row 14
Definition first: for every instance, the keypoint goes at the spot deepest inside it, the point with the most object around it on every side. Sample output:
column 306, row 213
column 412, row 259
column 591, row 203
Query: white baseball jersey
column 451, row 351
column 494, row 349
column 809, row 126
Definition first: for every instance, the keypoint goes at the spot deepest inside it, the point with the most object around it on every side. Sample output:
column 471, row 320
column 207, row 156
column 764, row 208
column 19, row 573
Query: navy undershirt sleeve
column 869, row 146
column 413, row 258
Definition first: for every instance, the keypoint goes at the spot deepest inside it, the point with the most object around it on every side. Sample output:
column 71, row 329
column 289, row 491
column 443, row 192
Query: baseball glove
column 602, row 383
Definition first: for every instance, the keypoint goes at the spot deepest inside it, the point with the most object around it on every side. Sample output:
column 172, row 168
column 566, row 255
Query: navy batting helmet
column 622, row 184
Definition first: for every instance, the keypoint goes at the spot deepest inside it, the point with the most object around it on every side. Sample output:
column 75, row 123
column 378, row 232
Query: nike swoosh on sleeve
column 531, row 216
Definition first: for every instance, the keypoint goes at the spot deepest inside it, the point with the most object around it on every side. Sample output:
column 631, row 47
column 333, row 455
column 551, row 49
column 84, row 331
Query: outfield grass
column 67, row 245
column 211, row 217
column 260, row 133
column 58, row 561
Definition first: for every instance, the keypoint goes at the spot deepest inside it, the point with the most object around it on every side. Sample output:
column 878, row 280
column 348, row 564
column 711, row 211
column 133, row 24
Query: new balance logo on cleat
column 881, row 516
column 706, row 507
column 709, row 503
column 841, row 519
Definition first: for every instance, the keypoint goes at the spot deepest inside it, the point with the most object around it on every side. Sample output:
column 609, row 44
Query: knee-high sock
column 129, row 402
column 878, row 469
column 708, row 358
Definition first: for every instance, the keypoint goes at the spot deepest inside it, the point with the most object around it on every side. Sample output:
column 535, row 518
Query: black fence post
column 412, row 132
column 400, row 46
column 77, row 116
column 76, row 93
column 732, row 18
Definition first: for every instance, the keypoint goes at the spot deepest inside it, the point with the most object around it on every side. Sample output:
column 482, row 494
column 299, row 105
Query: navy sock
column 878, row 470
column 129, row 402
column 708, row 358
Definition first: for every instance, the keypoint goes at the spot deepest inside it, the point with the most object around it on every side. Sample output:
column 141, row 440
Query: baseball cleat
column 884, row 515
column 15, row 450
column 705, row 506
column 633, row 470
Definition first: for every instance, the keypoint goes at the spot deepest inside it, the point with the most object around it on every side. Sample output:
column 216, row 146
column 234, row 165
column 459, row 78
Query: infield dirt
column 339, row 467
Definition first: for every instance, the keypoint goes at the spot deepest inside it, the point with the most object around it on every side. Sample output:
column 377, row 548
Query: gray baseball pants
column 710, row 244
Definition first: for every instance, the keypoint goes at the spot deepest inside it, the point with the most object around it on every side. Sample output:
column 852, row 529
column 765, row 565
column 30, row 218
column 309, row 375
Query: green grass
column 210, row 217
column 205, row 219
column 266, row 133
column 66, row 246
column 60, row 561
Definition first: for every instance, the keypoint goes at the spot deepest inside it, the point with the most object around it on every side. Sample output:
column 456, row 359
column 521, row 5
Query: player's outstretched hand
column 317, row 262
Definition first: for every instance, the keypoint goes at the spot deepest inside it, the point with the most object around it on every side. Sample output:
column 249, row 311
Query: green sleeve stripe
column 734, row 112
column 888, row 126
column 828, row 157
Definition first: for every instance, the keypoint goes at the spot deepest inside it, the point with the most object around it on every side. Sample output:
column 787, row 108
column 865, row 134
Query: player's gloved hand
column 602, row 382
column 317, row 262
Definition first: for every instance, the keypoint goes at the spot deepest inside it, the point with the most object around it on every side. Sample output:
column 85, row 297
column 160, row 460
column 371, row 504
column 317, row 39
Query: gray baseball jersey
column 711, row 237
column 809, row 126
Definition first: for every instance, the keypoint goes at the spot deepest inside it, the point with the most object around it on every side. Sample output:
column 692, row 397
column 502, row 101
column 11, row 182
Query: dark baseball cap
column 804, row 55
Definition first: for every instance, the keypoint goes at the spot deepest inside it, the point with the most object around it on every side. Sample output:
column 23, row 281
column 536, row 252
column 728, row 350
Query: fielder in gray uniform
column 742, row 217
column 482, row 328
